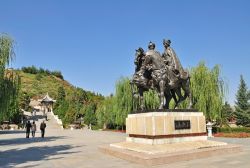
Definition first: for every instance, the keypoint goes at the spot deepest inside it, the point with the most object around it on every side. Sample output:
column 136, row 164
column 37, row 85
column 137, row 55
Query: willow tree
column 208, row 90
column 9, row 82
column 114, row 110
column 151, row 99
column 105, row 113
column 123, row 101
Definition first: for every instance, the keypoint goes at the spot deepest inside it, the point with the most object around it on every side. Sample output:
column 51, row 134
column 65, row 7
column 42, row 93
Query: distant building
column 47, row 104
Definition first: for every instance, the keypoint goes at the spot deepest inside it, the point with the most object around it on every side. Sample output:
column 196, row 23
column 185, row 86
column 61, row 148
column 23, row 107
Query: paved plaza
column 79, row 148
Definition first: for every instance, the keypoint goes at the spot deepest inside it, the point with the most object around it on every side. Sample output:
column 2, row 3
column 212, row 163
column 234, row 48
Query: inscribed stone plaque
column 182, row 124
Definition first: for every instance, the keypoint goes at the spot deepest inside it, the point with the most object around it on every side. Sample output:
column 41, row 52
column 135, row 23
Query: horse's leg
column 180, row 97
column 186, row 88
column 141, row 100
column 133, row 101
column 168, row 97
column 161, row 91
column 173, row 94
column 172, row 91
column 135, row 97
column 190, row 100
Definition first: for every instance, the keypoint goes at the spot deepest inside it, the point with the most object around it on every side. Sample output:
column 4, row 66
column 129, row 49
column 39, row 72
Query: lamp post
column 209, row 129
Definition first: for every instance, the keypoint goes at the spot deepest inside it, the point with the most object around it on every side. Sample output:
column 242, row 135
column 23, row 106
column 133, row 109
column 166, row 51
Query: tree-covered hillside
column 38, row 84
column 71, row 100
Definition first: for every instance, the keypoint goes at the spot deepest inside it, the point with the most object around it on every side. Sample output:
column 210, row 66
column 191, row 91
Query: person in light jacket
column 33, row 129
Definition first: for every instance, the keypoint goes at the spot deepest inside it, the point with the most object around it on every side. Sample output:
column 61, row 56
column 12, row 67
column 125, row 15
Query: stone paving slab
column 79, row 149
column 150, row 158
column 167, row 148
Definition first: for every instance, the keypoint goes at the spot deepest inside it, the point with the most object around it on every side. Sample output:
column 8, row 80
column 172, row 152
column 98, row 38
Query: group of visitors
column 32, row 127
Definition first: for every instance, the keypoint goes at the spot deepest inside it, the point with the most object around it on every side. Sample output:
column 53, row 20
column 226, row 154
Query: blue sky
column 93, row 42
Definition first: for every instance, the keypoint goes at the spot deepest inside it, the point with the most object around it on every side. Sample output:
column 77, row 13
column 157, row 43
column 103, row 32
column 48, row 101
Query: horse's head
column 139, row 80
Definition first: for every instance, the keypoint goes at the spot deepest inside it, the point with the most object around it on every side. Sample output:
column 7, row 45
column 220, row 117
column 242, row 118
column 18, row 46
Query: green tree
column 90, row 116
column 61, row 105
column 105, row 113
column 151, row 99
column 77, row 100
column 242, row 96
column 70, row 107
column 9, row 82
column 57, row 74
column 208, row 91
column 61, row 95
column 69, row 113
column 123, row 101
column 24, row 101
column 227, row 114
column 242, row 104
column 112, row 111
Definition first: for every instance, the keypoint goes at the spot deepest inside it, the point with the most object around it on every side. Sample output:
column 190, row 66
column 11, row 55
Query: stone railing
column 58, row 120
column 13, row 127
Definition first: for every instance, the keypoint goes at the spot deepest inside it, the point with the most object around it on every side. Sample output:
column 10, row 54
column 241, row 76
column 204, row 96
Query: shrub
column 57, row 74
column 41, row 71
column 95, row 127
column 231, row 130
column 39, row 76
column 31, row 70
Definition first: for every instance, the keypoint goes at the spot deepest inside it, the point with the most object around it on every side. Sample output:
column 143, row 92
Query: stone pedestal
column 165, row 127
column 166, row 137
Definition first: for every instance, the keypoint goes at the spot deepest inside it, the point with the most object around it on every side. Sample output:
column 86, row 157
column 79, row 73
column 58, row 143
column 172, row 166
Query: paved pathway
column 79, row 148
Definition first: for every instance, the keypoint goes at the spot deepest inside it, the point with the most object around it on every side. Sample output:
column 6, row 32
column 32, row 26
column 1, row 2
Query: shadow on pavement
column 12, row 132
column 14, row 157
column 20, row 141
column 36, row 118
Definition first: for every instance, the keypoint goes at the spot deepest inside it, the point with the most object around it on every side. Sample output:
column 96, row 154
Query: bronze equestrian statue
column 162, row 73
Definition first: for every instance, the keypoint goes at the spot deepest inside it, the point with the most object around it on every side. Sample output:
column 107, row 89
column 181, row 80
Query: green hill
column 73, row 102
column 37, row 85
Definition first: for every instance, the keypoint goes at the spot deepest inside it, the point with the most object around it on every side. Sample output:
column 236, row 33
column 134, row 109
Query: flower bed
column 232, row 135
column 115, row 130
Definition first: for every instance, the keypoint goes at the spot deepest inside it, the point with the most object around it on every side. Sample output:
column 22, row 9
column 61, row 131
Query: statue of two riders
column 163, row 73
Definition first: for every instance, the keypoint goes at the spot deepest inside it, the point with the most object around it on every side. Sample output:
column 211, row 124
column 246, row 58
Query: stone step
column 39, row 118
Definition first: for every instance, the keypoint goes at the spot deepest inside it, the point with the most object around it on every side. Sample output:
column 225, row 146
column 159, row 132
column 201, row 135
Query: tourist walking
column 28, row 126
column 42, row 128
column 33, row 129
column 34, row 112
column 46, row 117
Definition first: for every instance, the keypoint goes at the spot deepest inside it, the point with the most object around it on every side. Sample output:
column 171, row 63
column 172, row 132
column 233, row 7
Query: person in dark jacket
column 42, row 128
column 28, row 126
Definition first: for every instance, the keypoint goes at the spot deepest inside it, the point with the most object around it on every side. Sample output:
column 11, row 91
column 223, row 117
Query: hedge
column 231, row 130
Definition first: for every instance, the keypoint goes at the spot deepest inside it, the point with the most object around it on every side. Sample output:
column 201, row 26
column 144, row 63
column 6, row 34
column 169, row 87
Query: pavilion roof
column 47, row 99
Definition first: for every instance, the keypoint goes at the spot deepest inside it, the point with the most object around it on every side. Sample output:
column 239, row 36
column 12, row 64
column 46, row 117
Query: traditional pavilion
column 47, row 104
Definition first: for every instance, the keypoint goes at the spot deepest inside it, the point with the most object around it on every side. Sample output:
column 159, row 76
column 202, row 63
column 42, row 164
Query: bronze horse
column 153, row 74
